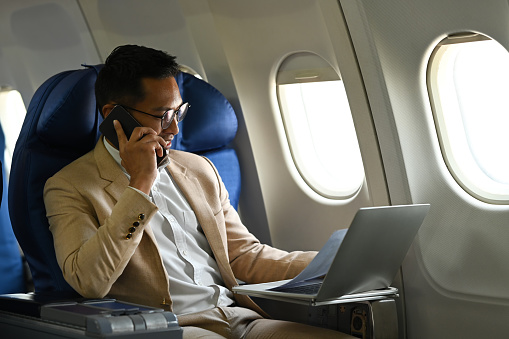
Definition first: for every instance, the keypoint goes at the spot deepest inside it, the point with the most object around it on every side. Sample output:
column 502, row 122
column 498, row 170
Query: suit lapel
column 193, row 191
column 109, row 170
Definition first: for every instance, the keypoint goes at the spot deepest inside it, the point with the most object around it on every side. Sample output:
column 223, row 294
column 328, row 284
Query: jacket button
column 129, row 236
column 141, row 216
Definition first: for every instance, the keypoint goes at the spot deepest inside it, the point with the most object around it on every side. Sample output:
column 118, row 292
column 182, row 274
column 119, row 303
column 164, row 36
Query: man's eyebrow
column 160, row 108
column 166, row 108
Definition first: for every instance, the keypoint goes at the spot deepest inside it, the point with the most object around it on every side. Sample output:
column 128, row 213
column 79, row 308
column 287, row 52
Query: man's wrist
column 141, row 192
column 141, row 185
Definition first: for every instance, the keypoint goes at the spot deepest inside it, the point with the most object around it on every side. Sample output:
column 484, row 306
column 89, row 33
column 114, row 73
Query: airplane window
column 319, row 126
column 12, row 114
column 467, row 81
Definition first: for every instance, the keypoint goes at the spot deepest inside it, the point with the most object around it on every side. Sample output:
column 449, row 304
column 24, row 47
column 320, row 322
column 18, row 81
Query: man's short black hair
column 119, row 80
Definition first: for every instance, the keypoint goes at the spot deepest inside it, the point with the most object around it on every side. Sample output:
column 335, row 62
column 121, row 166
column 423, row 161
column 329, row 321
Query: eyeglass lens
column 179, row 115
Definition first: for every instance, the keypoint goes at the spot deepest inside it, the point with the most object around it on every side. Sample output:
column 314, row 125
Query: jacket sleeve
column 251, row 261
column 92, row 255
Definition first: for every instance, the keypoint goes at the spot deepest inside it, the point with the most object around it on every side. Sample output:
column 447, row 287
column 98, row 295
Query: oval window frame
column 306, row 68
column 462, row 165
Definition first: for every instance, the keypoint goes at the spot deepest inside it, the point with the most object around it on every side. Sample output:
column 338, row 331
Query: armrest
column 64, row 315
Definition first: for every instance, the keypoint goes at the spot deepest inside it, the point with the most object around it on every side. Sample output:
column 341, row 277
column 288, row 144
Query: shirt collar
column 114, row 153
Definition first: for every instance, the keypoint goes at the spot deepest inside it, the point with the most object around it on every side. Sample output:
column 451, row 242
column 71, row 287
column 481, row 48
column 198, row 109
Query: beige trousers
column 239, row 322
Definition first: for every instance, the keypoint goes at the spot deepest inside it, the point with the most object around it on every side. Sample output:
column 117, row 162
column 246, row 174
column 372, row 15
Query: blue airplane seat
column 211, row 131
column 12, row 278
column 62, row 123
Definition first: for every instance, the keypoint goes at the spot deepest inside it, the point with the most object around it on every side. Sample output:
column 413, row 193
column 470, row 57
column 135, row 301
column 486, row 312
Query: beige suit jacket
column 90, row 212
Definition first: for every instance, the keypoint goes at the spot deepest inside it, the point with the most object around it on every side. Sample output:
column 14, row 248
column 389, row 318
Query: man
column 165, row 237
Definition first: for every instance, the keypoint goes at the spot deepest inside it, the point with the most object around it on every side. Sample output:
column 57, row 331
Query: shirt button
column 184, row 253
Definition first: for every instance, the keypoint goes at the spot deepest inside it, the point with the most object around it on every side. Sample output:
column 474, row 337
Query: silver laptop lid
column 373, row 249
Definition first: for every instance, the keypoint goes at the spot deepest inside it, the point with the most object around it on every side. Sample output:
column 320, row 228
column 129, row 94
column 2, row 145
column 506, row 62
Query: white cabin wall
column 256, row 37
column 455, row 275
column 39, row 39
column 158, row 24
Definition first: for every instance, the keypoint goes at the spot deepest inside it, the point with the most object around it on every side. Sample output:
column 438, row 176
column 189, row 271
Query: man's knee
column 267, row 328
column 191, row 332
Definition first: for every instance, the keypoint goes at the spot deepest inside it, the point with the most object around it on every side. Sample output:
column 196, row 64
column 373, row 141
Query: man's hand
column 139, row 155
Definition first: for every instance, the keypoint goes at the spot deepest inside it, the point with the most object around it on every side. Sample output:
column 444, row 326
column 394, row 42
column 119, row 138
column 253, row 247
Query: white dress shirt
column 195, row 281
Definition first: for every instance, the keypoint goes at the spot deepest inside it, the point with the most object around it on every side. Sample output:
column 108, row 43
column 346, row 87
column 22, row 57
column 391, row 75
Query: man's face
column 160, row 96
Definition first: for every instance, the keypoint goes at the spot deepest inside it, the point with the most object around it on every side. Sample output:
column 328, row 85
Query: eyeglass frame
column 173, row 115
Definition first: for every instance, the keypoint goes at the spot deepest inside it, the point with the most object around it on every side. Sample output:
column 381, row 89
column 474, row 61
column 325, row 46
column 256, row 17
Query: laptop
column 358, row 263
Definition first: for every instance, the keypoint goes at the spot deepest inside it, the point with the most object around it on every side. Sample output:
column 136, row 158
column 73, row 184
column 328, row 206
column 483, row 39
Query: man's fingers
column 145, row 135
column 137, row 134
column 141, row 132
column 159, row 150
column 120, row 132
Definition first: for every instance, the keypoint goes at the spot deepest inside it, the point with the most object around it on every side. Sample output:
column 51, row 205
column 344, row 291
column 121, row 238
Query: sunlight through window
column 320, row 129
column 12, row 114
column 468, row 82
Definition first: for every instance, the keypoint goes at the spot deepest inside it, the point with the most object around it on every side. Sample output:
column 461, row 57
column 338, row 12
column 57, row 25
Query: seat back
column 208, row 130
column 62, row 123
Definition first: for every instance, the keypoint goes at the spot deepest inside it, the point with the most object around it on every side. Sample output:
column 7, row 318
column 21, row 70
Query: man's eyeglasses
column 169, row 115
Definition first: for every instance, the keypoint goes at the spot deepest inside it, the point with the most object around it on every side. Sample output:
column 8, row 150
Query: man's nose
column 173, row 128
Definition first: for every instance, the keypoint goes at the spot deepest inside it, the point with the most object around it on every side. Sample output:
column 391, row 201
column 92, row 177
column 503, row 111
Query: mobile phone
column 128, row 124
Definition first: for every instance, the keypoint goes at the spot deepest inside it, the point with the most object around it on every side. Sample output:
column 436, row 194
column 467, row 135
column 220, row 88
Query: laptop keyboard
column 306, row 289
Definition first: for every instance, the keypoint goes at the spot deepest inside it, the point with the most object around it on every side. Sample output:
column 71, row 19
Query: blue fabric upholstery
column 11, row 267
column 208, row 129
column 62, row 123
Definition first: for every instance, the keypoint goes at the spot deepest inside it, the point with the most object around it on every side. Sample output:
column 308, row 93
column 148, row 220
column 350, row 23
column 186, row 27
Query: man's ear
column 107, row 109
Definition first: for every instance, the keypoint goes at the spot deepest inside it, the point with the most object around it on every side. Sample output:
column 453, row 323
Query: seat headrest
column 210, row 123
column 65, row 120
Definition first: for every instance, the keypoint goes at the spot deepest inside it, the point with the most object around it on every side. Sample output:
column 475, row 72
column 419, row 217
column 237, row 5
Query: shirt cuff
column 142, row 193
